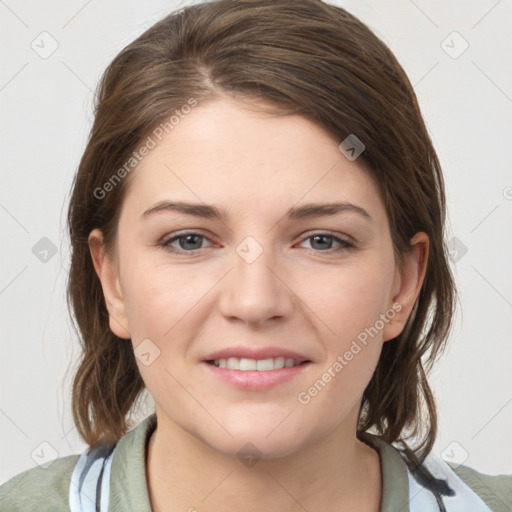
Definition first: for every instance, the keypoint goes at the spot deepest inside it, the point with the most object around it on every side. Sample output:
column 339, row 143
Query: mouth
column 244, row 364
column 255, row 369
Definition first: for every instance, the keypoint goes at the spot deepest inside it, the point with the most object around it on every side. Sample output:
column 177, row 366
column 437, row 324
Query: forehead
column 249, row 161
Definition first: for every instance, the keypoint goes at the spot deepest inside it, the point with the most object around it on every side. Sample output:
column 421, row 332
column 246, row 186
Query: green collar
column 128, row 487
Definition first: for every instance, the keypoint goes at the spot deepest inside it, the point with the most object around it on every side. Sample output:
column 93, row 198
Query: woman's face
column 271, row 279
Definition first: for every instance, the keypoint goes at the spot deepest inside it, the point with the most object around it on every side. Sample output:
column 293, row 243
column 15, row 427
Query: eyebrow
column 206, row 211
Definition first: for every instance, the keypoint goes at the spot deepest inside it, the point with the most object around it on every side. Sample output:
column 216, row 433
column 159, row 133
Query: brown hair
column 302, row 57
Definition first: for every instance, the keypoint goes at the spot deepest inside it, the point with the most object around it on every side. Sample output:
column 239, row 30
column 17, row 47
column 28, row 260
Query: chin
column 263, row 439
column 255, row 446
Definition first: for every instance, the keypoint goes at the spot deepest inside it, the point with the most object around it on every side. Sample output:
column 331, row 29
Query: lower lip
column 254, row 380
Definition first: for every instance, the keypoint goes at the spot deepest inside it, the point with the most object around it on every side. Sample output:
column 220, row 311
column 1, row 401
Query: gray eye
column 191, row 242
column 321, row 241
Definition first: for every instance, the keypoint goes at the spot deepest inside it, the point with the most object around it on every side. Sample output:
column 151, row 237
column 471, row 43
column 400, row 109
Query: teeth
column 261, row 365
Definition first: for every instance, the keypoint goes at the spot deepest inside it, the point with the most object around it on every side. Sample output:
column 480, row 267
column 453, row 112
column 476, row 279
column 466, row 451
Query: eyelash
column 345, row 246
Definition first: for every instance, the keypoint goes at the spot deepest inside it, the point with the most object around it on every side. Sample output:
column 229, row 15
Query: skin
column 307, row 296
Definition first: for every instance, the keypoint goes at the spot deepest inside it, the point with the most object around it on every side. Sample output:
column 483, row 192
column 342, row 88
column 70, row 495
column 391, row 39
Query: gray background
column 46, row 112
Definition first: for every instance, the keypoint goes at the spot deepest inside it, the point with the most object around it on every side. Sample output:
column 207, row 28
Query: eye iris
column 184, row 241
column 190, row 238
column 324, row 237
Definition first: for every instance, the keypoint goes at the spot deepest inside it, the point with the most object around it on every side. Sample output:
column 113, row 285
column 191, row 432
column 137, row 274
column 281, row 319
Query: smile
column 260, row 365
column 255, row 374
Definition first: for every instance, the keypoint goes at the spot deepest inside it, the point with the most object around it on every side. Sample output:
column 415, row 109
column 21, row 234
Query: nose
column 256, row 289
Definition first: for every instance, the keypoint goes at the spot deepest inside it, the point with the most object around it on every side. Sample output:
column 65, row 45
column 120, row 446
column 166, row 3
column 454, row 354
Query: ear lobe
column 108, row 274
column 408, row 283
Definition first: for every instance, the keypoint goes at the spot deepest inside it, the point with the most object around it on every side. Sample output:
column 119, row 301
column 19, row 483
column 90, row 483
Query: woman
column 284, row 142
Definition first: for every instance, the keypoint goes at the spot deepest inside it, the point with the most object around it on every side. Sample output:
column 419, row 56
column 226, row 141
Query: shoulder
column 464, row 488
column 47, row 489
column 39, row 488
column 494, row 490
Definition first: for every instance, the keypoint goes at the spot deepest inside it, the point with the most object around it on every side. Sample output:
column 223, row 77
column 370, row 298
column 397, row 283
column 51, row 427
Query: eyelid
column 179, row 234
column 344, row 243
column 339, row 236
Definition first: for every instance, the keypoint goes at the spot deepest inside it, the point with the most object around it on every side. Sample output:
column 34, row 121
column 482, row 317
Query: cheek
column 348, row 299
column 161, row 298
column 353, row 305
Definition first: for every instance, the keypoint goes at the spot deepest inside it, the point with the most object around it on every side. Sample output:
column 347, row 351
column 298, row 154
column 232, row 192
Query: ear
column 407, row 284
column 108, row 274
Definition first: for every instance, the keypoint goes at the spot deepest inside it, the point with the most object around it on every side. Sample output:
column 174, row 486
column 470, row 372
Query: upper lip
column 256, row 353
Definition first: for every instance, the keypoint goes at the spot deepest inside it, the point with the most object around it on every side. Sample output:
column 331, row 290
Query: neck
column 336, row 473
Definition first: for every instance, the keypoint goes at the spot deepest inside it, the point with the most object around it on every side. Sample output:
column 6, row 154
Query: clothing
column 123, row 482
